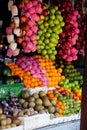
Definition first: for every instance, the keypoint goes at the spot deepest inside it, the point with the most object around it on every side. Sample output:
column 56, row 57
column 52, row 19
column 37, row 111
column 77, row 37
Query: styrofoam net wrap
column 42, row 120
column 37, row 89
column 64, row 119
column 36, row 121
column 16, row 128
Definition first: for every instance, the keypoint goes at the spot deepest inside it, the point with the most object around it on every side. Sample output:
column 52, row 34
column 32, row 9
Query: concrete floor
column 73, row 125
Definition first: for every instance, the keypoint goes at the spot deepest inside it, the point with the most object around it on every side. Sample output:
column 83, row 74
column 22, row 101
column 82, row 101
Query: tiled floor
column 74, row 125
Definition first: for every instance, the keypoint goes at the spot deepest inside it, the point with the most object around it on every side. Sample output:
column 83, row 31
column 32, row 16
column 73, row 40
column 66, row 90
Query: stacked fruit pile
column 82, row 20
column 8, row 122
column 36, row 71
column 6, row 76
column 31, row 11
column 69, row 71
column 50, row 26
column 58, row 102
column 69, row 100
column 13, row 30
column 67, row 42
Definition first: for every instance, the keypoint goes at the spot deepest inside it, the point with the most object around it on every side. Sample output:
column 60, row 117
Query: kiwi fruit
column 51, row 109
column 46, row 102
column 3, row 122
column 39, row 107
column 2, row 127
column 56, row 109
column 31, row 99
column 31, row 104
column 42, row 94
column 8, row 126
column 53, row 102
column 42, row 111
column 46, row 110
column 15, row 112
column 38, row 101
column 27, row 112
column 8, row 121
column 56, row 114
column 35, row 95
column 17, row 122
column 13, row 125
column 21, row 101
column 25, row 94
column 25, row 105
column 31, row 109
column 20, row 113
column 2, row 116
column 1, row 111
column 45, row 97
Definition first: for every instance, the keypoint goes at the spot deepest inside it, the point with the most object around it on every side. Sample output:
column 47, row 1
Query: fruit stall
column 42, row 61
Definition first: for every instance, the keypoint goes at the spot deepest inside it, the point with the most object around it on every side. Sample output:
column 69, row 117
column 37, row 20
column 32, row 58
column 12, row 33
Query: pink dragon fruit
column 34, row 29
column 35, row 17
column 38, row 9
column 9, row 52
column 32, row 10
column 9, row 30
column 29, row 33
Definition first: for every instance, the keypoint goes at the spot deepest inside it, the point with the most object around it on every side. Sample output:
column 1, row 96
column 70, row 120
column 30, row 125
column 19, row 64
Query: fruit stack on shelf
column 44, row 41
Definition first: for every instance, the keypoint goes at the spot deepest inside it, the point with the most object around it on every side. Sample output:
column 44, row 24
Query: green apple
column 49, row 51
column 41, row 26
column 49, row 30
column 47, row 35
column 52, row 56
column 59, row 17
column 46, row 24
column 39, row 51
column 44, row 52
column 38, row 47
column 56, row 21
column 46, row 18
column 46, row 56
column 40, row 32
column 51, row 44
column 52, row 10
column 52, row 17
column 40, row 22
column 46, row 41
column 44, row 30
column 56, row 8
column 47, row 47
column 38, row 37
column 55, row 52
column 58, row 12
column 62, row 24
column 42, row 47
column 51, row 23
column 40, row 41
column 52, row 39
column 42, row 37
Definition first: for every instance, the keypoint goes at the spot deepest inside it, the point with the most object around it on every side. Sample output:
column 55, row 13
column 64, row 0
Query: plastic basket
column 15, row 88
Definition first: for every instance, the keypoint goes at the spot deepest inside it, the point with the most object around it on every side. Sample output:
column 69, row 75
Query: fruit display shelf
column 43, row 120
column 38, row 89
column 16, row 128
